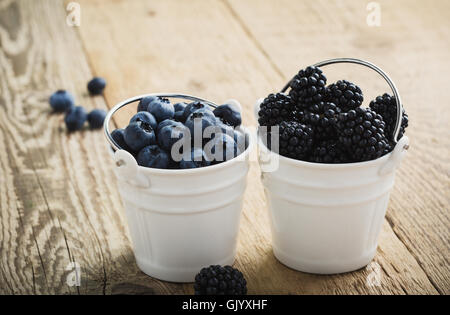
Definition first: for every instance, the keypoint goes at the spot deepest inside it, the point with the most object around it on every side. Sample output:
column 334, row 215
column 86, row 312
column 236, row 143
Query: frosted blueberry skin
column 118, row 136
column 171, row 133
column 204, row 118
column 138, row 135
column 161, row 109
column 96, row 86
column 145, row 117
column 61, row 101
column 143, row 103
column 75, row 118
column 153, row 156
column 193, row 107
column 230, row 114
column 197, row 159
column 226, row 144
column 180, row 107
column 96, row 118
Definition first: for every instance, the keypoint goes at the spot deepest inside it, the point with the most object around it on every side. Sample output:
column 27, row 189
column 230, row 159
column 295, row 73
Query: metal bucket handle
column 380, row 72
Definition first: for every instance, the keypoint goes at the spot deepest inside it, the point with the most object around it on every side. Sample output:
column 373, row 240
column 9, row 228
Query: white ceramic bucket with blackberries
column 326, row 218
column 181, row 220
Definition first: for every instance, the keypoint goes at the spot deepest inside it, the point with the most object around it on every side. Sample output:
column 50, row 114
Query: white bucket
column 182, row 220
column 326, row 218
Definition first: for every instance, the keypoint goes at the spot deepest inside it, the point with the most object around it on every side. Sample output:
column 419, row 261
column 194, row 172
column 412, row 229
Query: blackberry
column 344, row 94
column 386, row 106
column 296, row 140
column 361, row 132
column 324, row 123
column 308, row 88
column 274, row 109
column 218, row 280
column 329, row 151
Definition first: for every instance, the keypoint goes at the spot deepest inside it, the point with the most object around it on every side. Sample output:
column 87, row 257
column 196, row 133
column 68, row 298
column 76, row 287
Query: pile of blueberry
column 76, row 116
column 325, row 124
column 182, row 135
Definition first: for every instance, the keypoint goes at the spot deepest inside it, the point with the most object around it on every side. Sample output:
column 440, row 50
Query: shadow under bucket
column 326, row 218
column 182, row 220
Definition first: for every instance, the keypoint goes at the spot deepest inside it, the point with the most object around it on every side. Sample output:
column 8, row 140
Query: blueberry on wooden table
column 75, row 118
column 96, row 118
column 61, row 101
column 96, row 86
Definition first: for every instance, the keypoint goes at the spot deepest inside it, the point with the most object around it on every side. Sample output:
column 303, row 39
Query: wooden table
column 59, row 202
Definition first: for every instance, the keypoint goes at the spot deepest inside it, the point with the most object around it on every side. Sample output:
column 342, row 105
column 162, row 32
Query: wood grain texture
column 58, row 197
column 412, row 46
column 242, row 50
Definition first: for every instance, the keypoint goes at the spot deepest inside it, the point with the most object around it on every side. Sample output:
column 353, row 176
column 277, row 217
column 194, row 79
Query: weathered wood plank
column 188, row 46
column 59, row 202
column 412, row 44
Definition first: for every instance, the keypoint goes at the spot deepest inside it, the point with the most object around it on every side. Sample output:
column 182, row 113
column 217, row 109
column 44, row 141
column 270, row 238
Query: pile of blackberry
column 326, row 124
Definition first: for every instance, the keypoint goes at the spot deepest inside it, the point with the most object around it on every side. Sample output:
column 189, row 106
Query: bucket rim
column 243, row 157
column 295, row 162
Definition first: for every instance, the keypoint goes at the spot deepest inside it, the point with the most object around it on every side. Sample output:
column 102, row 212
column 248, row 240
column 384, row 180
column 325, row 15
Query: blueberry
column 179, row 116
column 192, row 107
column 139, row 134
column 197, row 158
column 75, row 118
column 119, row 137
column 61, row 101
column 229, row 113
column 145, row 117
column 221, row 148
column 143, row 103
column 179, row 107
column 164, row 123
column 153, row 156
column 96, row 118
column 161, row 108
column 170, row 134
column 96, row 86
column 199, row 120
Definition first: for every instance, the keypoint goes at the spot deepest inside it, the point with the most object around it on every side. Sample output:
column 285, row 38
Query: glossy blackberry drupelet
column 386, row 106
column 344, row 94
column 274, row 109
column 218, row 280
column 323, row 123
column 61, row 101
column 361, row 132
column 308, row 88
column 296, row 140
column 329, row 151
column 96, row 86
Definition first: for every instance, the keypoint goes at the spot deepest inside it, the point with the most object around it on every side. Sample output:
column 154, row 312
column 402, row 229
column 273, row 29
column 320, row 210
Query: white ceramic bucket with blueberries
column 326, row 218
column 185, row 219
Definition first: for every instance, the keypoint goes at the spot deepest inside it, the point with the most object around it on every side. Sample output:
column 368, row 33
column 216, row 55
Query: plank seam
column 252, row 38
